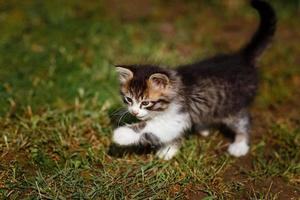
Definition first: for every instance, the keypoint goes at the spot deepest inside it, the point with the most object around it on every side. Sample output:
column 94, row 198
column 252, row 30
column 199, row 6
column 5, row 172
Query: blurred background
column 51, row 49
column 59, row 97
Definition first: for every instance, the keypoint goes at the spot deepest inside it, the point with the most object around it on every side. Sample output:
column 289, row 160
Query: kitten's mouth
column 142, row 118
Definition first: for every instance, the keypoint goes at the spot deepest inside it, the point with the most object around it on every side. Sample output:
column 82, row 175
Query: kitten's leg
column 125, row 136
column 150, row 133
column 159, row 131
column 205, row 133
column 240, row 124
column 202, row 130
column 128, row 135
column 169, row 150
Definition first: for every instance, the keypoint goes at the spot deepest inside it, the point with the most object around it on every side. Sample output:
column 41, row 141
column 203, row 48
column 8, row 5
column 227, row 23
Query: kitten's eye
column 145, row 103
column 128, row 99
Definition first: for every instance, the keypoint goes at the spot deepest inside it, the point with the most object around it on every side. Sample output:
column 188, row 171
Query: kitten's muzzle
column 135, row 113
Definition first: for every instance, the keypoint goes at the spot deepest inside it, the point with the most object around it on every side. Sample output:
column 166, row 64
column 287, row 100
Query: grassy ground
column 58, row 95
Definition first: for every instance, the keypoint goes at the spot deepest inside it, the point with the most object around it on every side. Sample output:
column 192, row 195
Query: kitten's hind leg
column 168, row 151
column 202, row 130
column 240, row 125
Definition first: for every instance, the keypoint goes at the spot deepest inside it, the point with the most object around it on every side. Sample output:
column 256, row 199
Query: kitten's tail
column 264, row 33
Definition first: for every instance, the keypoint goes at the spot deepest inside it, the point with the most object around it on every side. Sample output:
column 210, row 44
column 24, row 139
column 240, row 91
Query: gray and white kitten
column 217, row 90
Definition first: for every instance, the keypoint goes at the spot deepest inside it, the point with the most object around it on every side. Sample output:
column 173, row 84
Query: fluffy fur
column 217, row 90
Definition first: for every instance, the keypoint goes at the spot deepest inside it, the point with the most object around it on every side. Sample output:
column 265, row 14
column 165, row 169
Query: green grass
column 59, row 96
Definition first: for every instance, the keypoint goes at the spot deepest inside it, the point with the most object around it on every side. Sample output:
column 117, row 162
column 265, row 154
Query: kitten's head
column 147, row 90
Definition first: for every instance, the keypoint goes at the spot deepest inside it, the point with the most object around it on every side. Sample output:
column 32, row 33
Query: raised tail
column 264, row 33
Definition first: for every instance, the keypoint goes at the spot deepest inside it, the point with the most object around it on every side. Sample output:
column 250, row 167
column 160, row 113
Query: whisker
column 118, row 111
column 118, row 124
column 119, row 115
column 122, row 116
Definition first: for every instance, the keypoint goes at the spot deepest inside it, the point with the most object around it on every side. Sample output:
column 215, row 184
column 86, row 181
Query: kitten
column 217, row 90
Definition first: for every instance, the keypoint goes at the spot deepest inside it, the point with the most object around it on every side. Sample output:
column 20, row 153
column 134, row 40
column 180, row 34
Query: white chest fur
column 166, row 126
column 169, row 125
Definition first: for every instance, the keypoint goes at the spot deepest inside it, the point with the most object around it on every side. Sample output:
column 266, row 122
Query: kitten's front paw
column 167, row 152
column 125, row 136
column 238, row 149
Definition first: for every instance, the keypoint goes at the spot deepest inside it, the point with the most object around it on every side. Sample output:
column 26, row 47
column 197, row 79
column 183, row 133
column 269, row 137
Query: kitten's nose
column 135, row 113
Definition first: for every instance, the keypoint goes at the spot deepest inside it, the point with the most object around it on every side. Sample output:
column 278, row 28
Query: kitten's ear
column 124, row 74
column 159, row 80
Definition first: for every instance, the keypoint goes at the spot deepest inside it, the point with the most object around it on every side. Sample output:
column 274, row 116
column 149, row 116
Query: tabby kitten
column 217, row 90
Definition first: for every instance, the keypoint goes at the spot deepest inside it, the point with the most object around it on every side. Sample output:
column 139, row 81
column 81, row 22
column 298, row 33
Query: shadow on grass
column 118, row 151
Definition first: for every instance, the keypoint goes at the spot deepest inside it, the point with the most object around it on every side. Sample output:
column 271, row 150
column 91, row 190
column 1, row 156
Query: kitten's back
column 219, row 86
column 229, row 80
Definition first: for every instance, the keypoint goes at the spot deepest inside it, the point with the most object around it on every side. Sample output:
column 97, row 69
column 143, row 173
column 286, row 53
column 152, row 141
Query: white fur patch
column 125, row 136
column 169, row 125
column 242, row 125
column 238, row 149
column 205, row 133
column 167, row 152
column 166, row 126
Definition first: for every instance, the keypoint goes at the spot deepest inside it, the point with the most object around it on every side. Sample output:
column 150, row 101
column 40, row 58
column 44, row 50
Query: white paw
column 125, row 136
column 238, row 149
column 205, row 133
column 167, row 152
